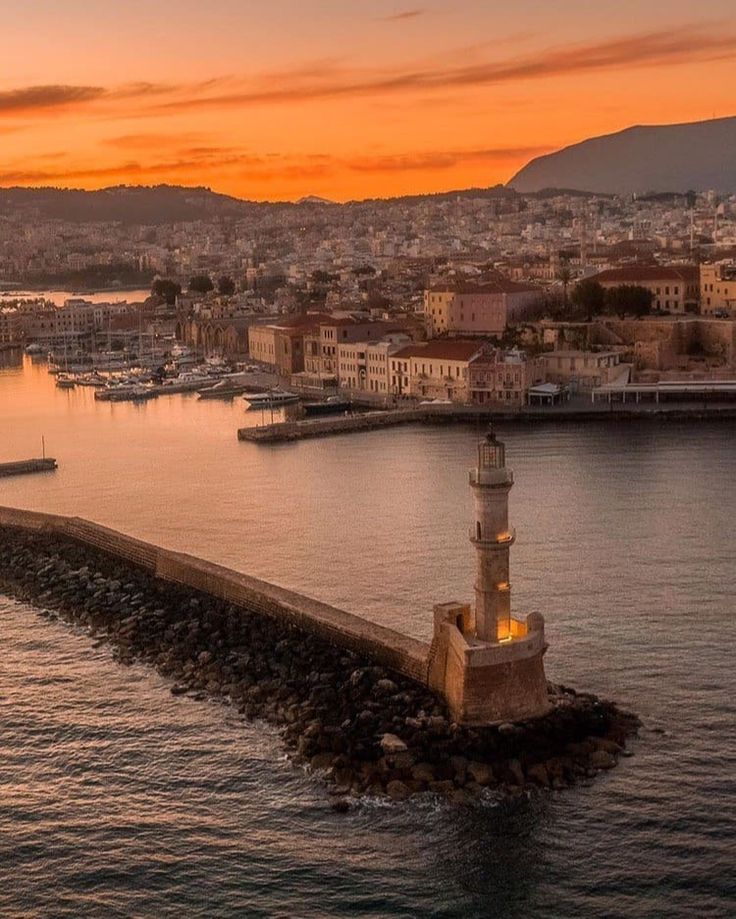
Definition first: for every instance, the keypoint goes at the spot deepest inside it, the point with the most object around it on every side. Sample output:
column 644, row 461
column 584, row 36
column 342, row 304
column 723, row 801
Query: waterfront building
column 363, row 366
column 10, row 326
column 583, row 369
column 718, row 289
column 488, row 662
column 503, row 377
column 281, row 344
column 436, row 369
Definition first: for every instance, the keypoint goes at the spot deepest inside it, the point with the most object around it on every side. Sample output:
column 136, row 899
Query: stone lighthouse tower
column 484, row 659
column 491, row 482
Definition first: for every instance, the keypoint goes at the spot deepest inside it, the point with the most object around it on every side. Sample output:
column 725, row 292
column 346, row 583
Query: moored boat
column 271, row 399
column 332, row 406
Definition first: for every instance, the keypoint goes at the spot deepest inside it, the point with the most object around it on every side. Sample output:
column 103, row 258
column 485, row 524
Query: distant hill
column 161, row 204
column 134, row 204
column 646, row 158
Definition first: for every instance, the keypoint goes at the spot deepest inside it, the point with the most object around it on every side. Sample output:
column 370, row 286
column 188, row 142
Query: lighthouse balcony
column 492, row 540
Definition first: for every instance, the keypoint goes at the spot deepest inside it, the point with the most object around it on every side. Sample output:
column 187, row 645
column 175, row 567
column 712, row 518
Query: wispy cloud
column 186, row 161
column 403, row 15
column 651, row 49
column 433, row 160
column 335, row 79
column 30, row 98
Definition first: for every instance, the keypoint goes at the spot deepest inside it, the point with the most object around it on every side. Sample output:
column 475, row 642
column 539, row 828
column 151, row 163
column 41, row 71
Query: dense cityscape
column 482, row 298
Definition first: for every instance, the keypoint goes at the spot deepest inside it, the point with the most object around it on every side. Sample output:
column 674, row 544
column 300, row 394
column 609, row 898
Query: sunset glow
column 339, row 99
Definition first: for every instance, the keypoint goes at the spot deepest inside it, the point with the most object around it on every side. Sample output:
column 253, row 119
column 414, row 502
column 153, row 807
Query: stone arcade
column 487, row 662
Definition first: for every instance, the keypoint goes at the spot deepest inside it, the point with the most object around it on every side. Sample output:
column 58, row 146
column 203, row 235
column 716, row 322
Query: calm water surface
column 118, row 799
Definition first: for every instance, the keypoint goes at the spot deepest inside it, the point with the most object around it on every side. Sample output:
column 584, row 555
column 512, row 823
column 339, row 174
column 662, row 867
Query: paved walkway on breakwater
column 22, row 467
column 447, row 414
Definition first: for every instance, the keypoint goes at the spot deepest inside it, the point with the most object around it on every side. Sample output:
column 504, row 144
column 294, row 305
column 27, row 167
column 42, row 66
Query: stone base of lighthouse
column 488, row 682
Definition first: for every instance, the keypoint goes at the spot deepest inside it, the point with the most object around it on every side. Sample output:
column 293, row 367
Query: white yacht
column 274, row 398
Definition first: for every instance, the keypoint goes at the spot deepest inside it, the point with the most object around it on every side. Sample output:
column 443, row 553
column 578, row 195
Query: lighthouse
column 492, row 538
column 485, row 659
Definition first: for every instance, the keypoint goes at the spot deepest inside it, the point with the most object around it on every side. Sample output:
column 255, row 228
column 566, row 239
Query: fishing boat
column 126, row 393
column 272, row 399
column 332, row 406
column 65, row 381
column 224, row 389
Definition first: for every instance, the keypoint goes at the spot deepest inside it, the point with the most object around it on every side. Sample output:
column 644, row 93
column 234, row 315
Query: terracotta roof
column 446, row 349
column 630, row 274
column 488, row 287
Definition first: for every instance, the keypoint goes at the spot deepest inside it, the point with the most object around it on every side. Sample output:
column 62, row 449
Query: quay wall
column 385, row 646
column 283, row 432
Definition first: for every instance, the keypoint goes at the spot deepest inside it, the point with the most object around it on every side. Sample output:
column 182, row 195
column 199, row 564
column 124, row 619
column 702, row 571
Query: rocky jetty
column 365, row 730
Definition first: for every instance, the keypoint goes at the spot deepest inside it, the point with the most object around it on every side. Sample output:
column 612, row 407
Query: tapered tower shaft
column 492, row 538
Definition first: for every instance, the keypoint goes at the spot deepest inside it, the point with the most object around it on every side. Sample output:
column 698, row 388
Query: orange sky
column 339, row 98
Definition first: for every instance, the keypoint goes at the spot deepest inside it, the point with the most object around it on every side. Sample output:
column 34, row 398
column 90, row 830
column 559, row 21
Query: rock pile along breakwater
column 362, row 727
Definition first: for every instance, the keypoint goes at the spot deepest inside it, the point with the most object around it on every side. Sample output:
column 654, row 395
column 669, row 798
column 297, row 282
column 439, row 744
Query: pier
column 24, row 467
column 581, row 412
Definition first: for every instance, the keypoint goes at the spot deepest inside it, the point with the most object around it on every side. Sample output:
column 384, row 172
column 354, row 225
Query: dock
column 283, row 432
column 323, row 427
column 24, row 467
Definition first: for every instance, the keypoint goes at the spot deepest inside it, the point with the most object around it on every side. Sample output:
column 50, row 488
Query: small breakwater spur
column 23, row 467
column 358, row 724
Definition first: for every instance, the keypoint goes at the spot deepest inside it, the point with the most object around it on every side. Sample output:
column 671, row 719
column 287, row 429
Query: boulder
column 321, row 761
column 391, row 745
column 397, row 790
column 482, row 773
column 602, row 759
column 423, row 772
column 538, row 774
column 604, row 743
column 514, row 773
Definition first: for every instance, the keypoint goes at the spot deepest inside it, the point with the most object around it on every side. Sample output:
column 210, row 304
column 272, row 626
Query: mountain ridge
column 697, row 155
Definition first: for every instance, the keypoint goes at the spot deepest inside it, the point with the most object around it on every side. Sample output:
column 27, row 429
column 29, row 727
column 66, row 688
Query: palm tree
column 564, row 275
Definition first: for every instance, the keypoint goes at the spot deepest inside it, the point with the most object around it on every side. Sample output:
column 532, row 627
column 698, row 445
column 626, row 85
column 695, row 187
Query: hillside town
column 483, row 298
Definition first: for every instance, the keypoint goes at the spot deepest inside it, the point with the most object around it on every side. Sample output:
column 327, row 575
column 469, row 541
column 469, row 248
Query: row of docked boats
column 275, row 398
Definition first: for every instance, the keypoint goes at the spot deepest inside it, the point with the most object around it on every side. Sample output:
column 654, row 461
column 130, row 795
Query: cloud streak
column 684, row 45
column 331, row 79
column 261, row 167
column 404, row 15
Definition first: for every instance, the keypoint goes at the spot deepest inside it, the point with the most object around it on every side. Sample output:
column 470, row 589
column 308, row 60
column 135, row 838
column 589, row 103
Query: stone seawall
column 386, row 646
column 350, row 697
column 286, row 431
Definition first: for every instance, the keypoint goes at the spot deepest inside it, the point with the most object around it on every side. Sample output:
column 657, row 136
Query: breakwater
column 286, row 431
column 350, row 696
column 23, row 467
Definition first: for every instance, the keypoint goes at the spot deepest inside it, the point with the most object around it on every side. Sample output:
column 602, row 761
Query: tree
column 564, row 275
column 166, row 289
column 226, row 286
column 201, row 284
column 629, row 300
column 589, row 297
